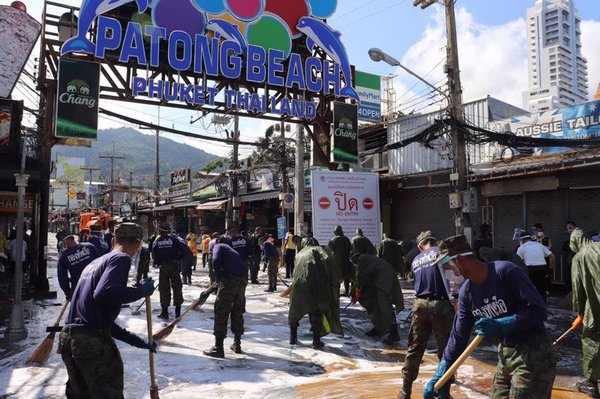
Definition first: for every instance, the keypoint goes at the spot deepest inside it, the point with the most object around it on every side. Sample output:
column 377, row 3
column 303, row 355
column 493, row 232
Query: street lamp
column 378, row 55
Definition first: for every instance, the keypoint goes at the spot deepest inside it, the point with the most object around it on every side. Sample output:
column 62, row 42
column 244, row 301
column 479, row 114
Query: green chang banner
column 77, row 100
column 345, row 133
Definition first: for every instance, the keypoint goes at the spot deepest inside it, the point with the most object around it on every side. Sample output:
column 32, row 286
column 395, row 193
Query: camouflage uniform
column 525, row 371
column 92, row 360
column 231, row 299
column 428, row 316
column 169, row 278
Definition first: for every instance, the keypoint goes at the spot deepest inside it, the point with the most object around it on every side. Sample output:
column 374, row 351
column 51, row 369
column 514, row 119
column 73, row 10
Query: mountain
column 139, row 151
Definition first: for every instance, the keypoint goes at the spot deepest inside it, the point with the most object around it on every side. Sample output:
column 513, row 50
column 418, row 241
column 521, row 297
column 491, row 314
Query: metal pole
column 157, row 172
column 233, row 177
column 462, row 220
column 299, row 182
column 16, row 326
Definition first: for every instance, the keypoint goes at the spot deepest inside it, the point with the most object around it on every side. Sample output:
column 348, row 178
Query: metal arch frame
column 118, row 76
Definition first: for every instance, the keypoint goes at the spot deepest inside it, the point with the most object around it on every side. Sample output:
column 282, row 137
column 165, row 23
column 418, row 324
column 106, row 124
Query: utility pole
column 462, row 219
column 112, row 175
column 157, row 167
column 232, row 204
column 299, row 182
column 91, row 170
column 130, row 185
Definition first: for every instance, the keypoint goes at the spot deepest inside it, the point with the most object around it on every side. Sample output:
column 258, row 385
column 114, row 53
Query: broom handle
column 189, row 309
column 150, row 341
column 461, row 359
column 60, row 315
column 564, row 335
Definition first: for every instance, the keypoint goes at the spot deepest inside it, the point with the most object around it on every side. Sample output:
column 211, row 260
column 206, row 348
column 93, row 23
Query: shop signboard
column 250, row 42
column 77, row 99
column 368, row 87
column 350, row 200
column 69, row 172
column 9, row 203
column 11, row 113
column 345, row 133
column 281, row 228
column 575, row 122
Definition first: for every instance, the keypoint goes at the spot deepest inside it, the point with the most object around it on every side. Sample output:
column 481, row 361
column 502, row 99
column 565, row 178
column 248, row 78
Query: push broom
column 42, row 353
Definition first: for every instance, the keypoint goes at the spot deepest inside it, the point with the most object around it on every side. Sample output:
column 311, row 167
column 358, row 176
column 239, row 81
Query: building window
column 567, row 41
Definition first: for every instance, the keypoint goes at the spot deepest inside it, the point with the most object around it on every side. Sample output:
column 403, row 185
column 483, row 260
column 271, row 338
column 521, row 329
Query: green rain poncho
column 362, row 244
column 390, row 251
column 340, row 248
column 586, row 299
column 380, row 289
column 313, row 288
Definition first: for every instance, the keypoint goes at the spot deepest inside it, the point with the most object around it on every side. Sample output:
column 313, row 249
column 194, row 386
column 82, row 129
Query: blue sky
column 492, row 45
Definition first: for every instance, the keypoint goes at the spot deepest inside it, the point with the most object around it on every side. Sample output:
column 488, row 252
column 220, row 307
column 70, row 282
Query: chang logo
column 78, row 93
column 346, row 129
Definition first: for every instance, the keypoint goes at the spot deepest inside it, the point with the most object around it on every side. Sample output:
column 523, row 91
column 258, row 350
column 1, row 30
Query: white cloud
column 493, row 59
column 590, row 41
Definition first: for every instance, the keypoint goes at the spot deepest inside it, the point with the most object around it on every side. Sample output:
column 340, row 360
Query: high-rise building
column 557, row 71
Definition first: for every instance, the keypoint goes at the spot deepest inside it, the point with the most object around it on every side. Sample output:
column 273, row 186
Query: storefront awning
column 166, row 207
column 213, row 205
column 185, row 204
column 260, row 196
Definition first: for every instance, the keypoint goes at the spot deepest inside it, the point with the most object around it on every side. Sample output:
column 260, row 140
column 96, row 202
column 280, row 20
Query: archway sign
column 258, row 58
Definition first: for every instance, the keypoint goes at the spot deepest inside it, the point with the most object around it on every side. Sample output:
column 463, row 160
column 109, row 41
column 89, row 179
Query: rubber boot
column 406, row 390
column 164, row 314
column 393, row 337
column 373, row 333
column 293, row 335
column 177, row 310
column 217, row 350
column 346, row 288
column 317, row 343
column 237, row 344
column 590, row 388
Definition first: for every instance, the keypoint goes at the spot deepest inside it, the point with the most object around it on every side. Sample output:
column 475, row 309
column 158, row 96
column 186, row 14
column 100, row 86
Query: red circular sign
column 368, row 203
column 324, row 203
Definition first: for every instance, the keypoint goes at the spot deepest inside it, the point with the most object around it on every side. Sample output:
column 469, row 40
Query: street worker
column 586, row 302
column 87, row 347
column 109, row 233
column 186, row 262
column 534, row 255
column 432, row 310
column 378, row 290
column 340, row 248
column 539, row 236
column 62, row 232
column 71, row 262
column 567, row 254
column 362, row 244
column 390, row 250
column 230, row 275
column 167, row 251
column 143, row 266
column 289, row 253
column 314, row 294
column 193, row 246
column 241, row 245
column 271, row 257
column 96, row 238
column 497, row 299
column 211, row 246
column 487, row 254
column 255, row 254
column 205, row 243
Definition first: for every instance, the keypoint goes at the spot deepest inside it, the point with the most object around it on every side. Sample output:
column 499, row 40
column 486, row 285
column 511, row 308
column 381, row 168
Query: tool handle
column 62, row 312
column 461, row 359
column 150, row 341
column 564, row 335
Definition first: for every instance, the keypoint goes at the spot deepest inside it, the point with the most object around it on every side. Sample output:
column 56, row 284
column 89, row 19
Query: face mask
column 540, row 233
column 450, row 276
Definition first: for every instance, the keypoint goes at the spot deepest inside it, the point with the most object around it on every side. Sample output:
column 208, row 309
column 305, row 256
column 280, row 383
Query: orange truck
column 91, row 218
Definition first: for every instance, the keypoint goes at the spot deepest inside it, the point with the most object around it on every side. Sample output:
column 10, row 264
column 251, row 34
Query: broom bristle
column 42, row 353
column 287, row 292
column 164, row 333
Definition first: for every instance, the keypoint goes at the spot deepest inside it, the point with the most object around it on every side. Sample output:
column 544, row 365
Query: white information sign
column 348, row 199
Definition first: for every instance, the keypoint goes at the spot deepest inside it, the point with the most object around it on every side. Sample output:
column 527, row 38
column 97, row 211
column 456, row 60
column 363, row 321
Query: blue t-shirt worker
column 499, row 300
column 87, row 345
column 71, row 262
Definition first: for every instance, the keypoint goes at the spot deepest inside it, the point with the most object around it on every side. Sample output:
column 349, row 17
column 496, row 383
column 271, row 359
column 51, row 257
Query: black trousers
column 537, row 275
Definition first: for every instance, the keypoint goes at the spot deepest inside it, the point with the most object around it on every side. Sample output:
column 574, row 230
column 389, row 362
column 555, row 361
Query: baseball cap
column 129, row 230
column 452, row 247
column 73, row 236
column 424, row 236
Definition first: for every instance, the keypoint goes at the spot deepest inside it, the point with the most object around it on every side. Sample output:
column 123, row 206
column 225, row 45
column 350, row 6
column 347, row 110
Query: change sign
column 77, row 107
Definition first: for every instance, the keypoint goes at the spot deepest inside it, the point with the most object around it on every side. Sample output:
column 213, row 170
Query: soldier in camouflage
column 432, row 310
